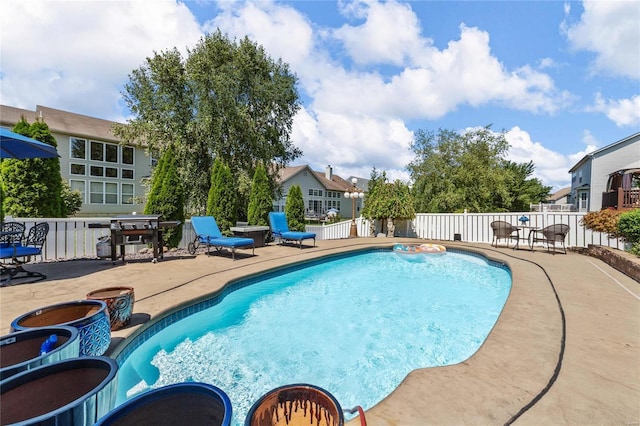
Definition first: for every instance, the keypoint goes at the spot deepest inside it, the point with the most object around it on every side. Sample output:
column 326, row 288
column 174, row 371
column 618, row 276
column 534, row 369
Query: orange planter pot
column 119, row 301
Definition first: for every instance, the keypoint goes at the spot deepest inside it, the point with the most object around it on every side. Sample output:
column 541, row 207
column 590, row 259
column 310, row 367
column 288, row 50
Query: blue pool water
column 355, row 326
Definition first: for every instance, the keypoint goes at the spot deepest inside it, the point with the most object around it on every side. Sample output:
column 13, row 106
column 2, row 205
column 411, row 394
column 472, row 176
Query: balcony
column 621, row 199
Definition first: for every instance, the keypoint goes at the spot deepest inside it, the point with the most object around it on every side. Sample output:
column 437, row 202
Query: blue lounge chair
column 280, row 230
column 207, row 232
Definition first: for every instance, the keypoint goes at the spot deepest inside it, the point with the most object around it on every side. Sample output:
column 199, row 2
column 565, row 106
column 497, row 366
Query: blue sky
column 561, row 78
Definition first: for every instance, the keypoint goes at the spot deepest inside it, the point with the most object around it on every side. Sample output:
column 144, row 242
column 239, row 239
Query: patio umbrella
column 14, row 145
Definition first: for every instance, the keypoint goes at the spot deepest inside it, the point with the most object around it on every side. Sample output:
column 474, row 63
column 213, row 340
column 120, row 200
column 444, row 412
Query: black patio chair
column 20, row 253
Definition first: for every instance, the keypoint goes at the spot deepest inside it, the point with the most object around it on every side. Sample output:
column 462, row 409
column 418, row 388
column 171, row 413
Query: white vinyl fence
column 72, row 238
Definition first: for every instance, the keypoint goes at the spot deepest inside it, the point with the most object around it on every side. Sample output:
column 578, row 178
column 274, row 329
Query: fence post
column 464, row 226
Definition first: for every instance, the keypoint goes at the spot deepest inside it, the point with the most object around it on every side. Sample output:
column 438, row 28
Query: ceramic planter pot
column 191, row 403
column 119, row 302
column 73, row 392
column 21, row 351
column 89, row 317
column 297, row 404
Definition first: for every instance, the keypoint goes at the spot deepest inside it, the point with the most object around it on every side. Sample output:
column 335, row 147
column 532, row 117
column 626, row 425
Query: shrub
column 294, row 209
column 629, row 226
column 605, row 221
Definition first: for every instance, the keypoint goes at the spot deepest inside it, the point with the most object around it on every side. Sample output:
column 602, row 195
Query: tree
column 222, row 198
column 167, row 196
column 227, row 99
column 33, row 187
column 523, row 190
column 457, row 171
column 388, row 202
column 261, row 199
column 71, row 199
column 294, row 209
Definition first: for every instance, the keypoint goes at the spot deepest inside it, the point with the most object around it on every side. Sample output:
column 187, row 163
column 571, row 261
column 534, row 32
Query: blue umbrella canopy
column 14, row 145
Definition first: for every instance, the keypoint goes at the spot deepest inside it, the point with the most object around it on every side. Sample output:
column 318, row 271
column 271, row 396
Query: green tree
column 227, row 99
column 294, row 209
column 388, row 202
column 166, row 196
column 71, row 199
column 457, row 171
column 222, row 199
column 33, row 187
column 523, row 189
column 261, row 199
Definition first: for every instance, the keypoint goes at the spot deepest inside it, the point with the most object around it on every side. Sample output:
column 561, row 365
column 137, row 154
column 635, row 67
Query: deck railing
column 621, row 199
column 72, row 238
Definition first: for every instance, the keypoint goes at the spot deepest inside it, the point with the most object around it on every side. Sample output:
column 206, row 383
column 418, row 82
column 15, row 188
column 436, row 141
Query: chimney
column 328, row 173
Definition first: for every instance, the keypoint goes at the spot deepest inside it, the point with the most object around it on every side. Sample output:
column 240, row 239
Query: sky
column 561, row 79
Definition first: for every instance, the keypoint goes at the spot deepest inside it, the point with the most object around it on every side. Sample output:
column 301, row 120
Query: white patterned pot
column 89, row 317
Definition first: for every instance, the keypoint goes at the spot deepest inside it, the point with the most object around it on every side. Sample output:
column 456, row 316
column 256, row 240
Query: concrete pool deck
column 565, row 350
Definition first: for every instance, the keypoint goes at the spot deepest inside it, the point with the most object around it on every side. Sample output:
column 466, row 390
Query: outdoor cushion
column 280, row 229
column 208, row 232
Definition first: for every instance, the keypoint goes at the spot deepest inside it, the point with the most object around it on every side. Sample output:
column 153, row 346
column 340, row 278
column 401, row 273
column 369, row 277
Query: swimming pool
column 355, row 325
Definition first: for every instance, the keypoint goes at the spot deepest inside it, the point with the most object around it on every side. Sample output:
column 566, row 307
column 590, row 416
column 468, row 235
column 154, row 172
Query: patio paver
column 598, row 368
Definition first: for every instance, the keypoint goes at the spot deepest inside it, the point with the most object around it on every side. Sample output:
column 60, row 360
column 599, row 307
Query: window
column 97, row 151
column 127, row 174
column 111, row 193
column 127, row 155
column 96, row 171
column 96, row 192
column 127, row 193
column 78, row 148
column 78, row 185
column 111, row 172
column 111, row 153
column 77, row 169
column 154, row 157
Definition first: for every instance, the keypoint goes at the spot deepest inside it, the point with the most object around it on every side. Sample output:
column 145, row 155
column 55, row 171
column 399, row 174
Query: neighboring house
column 560, row 201
column 594, row 182
column 108, row 175
column 320, row 191
column 560, row 197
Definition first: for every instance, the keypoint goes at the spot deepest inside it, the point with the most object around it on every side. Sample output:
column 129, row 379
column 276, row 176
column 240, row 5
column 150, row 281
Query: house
column 320, row 191
column 111, row 176
column 560, row 197
column 108, row 175
column 608, row 177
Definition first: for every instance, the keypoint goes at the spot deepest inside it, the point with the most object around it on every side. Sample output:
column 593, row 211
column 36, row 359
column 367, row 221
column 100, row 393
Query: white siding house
column 590, row 175
column 320, row 191
column 109, row 175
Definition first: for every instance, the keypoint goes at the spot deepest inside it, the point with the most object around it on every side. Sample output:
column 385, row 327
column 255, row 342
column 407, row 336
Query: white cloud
column 389, row 34
column 76, row 55
column 610, row 30
column 266, row 23
column 623, row 112
column 551, row 167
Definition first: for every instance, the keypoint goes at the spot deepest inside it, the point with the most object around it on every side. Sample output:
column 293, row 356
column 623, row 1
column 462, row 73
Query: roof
column 604, row 148
column 335, row 184
column 60, row 121
column 559, row 194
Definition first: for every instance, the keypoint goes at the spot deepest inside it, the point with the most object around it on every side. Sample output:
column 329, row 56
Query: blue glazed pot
column 89, row 317
column 300, row 403
column 21, row 351
column 191, row 403
column 73, row 392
